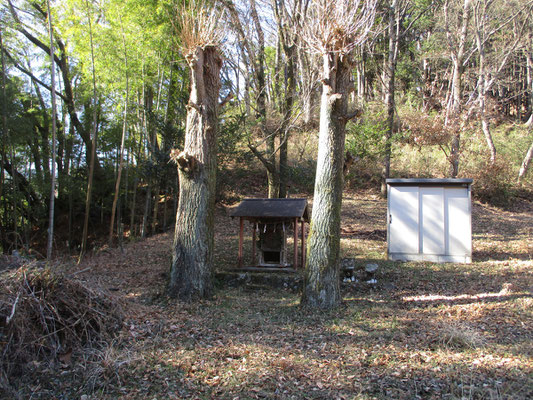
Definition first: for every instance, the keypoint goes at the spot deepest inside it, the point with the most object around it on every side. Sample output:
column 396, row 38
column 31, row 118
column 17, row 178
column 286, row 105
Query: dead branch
column 226, row 99
column 13, row 309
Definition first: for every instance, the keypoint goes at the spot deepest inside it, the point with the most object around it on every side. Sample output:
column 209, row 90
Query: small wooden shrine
column 272, row 220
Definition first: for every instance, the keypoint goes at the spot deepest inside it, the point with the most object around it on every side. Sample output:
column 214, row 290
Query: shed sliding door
column 403, row 219
column 429, row 223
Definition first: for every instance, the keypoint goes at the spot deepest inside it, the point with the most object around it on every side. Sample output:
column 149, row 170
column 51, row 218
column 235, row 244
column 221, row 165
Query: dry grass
column 461, row 336
column 428, row 331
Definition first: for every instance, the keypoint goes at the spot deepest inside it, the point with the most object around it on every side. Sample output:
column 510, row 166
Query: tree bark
column 361, row 75
column 308, row 84
column 132, row 207
column 525, row 164
column 42, row 129
column 148, row 103
column 529, row 66
column 120, row 165
column 155, row 211
column 321, row 284
column 192, row 259
column 33, row 143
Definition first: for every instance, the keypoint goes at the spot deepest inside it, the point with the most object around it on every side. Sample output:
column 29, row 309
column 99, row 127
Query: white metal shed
column 429, row 220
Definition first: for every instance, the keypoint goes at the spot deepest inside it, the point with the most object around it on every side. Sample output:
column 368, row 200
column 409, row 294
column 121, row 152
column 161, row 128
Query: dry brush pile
column 47, row 315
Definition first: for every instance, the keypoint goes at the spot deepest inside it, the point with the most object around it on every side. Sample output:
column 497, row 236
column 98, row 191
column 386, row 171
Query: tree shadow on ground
column 491, row 255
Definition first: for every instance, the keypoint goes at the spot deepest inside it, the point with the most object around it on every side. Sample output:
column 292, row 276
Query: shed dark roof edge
column 430, row 181
column 271, row 208
column 268, row 199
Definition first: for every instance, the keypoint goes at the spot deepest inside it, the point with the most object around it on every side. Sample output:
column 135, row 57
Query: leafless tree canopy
column 338, row 26
column 198, row 25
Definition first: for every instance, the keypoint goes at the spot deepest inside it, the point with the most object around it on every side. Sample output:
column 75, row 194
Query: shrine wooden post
column 303, row 244
column 241, row 239
column 253, row 243
column 295, row 261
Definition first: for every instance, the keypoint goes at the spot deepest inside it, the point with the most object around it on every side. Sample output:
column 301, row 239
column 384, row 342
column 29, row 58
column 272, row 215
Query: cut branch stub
column 348, row 161
column 334, row 97
column 186, row 162
column 197, row 107
column 355, row 114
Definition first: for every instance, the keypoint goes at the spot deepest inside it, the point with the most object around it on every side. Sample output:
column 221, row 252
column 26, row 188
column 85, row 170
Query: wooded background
column 437, row 88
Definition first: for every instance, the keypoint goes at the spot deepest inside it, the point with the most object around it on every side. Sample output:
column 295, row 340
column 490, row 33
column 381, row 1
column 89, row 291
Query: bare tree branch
column 33, row 77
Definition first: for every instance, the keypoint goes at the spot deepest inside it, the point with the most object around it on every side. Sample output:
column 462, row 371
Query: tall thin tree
column 397, row 12
column 288, row 27
column 122, row 141
column 4, row 136
column 54, row 151
column 488, row 21
column 458, row 47
column 94, row 141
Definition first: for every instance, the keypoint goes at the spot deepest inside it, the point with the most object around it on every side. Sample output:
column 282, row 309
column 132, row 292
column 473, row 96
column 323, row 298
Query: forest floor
column 427, row 331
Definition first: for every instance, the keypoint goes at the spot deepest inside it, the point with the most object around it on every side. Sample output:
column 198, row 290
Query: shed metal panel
column 432, row 220
column 429, row 220
column 459, row 230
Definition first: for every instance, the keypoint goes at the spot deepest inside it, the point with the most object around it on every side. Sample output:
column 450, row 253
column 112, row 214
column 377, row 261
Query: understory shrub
column 364, row 142
column 493, row 182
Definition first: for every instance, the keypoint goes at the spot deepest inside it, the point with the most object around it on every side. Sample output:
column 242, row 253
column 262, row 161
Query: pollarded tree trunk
column 192, row 260
column 322, row 285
